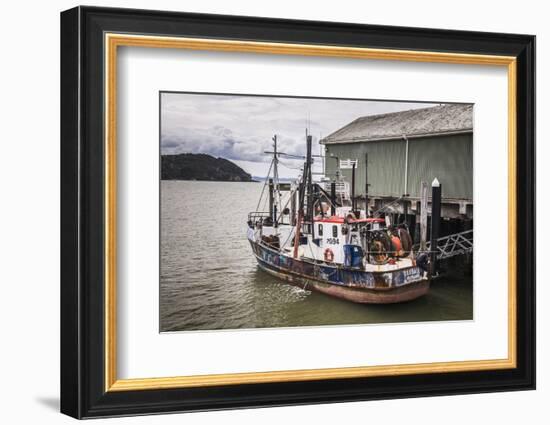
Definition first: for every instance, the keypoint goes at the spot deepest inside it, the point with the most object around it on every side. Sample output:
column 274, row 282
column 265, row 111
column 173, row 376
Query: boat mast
column 305, row 184
column 310, row 211
column 300, row 216
column 277, row 204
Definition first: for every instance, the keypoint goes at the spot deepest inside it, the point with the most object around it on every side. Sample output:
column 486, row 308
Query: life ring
column 329, row 255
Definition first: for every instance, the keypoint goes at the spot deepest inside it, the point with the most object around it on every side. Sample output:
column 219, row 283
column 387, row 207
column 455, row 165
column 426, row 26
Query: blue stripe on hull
column 341, row 276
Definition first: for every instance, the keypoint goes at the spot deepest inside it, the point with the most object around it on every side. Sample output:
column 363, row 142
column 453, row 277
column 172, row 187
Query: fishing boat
column 312, row 235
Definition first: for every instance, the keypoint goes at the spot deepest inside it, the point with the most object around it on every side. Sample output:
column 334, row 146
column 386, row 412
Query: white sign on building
column 348, row 163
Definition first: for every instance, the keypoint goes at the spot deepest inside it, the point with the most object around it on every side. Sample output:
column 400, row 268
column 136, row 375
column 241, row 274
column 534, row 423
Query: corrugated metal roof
column 442, row 119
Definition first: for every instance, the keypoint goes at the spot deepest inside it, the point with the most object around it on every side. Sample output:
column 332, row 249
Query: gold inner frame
column 113, row 41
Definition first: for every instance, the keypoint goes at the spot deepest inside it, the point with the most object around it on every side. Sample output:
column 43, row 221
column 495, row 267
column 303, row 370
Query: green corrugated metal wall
column 449, row 158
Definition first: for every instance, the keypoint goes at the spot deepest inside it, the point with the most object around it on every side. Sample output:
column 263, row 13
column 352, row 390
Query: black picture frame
column 83, row 392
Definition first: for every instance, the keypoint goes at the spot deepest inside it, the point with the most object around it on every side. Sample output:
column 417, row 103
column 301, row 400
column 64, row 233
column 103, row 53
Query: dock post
column 353, row 188
column 366, row 185
column 436, row 217
column 333, row 198
column 423, row 215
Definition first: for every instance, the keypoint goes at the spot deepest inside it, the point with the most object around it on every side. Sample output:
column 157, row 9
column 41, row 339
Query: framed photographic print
column 261, row 212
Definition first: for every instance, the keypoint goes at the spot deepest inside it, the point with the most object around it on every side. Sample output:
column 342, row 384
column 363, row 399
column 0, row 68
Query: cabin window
column 320, row 230
column 334, row 231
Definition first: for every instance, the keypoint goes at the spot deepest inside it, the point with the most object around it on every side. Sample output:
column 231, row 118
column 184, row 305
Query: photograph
column 280, row 212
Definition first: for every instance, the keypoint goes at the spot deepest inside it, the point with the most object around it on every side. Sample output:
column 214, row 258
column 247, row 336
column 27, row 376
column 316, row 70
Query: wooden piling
column 367, row 185
column 423, row 215
column 353, row 188
column 436, row 218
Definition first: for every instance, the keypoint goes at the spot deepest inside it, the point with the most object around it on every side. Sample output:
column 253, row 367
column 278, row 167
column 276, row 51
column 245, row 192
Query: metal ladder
column 453, row 245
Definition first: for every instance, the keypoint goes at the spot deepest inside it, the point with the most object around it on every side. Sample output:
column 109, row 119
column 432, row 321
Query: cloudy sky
column 240, row 128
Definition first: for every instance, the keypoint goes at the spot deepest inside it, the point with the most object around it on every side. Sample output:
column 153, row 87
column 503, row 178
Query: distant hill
column 188, row 166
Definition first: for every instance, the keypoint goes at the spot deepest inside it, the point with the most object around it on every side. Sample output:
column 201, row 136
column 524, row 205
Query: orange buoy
column 406, row 241
column 397, row 247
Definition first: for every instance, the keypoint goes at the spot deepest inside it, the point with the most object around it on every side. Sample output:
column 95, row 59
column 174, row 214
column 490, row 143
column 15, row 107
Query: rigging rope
column 263, row 188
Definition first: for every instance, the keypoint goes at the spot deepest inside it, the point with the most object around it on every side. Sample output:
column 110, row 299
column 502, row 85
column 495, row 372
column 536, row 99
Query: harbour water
column 209, row 278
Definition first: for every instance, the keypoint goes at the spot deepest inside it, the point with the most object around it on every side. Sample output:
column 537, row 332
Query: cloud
column 240, row 128
column 217, row 141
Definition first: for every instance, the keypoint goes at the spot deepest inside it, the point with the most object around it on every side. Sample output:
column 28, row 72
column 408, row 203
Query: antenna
column 321, row 152
column 308, row 123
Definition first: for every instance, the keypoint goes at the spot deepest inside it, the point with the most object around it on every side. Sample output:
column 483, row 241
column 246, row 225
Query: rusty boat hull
column 351, row 284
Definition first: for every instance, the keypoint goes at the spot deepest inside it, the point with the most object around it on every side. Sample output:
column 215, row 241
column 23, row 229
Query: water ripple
column 209, row 278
